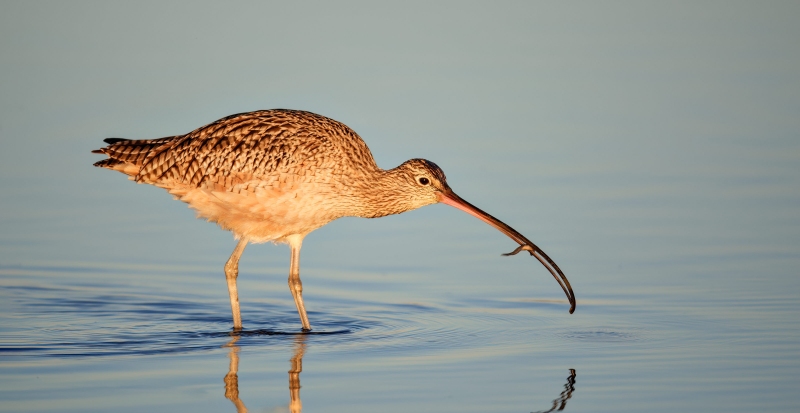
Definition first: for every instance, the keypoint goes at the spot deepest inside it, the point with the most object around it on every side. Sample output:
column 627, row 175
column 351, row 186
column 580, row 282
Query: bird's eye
column 424, row 181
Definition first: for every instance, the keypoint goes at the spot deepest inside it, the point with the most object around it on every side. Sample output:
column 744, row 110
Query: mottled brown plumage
column 277, row 175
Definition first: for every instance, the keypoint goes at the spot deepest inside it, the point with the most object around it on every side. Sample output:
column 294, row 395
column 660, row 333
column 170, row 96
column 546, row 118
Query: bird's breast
column 270, row 210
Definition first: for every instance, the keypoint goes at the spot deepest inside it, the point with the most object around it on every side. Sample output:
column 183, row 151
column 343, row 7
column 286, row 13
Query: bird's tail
column 128, row 156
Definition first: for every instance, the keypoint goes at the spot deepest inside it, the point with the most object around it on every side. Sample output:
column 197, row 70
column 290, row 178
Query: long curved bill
column 450, row 198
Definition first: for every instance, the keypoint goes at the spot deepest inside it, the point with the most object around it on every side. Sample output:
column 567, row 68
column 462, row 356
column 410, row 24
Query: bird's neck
column 383, row 194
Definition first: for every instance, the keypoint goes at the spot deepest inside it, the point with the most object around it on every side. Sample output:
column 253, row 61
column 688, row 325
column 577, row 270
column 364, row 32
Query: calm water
column 97, row 338
column 654, row 154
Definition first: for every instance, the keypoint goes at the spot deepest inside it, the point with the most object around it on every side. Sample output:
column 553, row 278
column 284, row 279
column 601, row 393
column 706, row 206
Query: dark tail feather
column 107, row 163
column 128, row 155
column 109, row 141
column 131, row 151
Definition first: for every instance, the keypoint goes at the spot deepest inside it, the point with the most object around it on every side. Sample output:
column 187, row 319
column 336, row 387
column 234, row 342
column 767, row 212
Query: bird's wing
column 261, row 146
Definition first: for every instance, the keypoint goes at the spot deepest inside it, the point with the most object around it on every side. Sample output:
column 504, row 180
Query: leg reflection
column 232, row 378
column 561, row 402
column 295, row 405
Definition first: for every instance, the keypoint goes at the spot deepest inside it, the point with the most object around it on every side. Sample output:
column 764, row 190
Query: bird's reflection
column 296, row 405
column 232, row 378
column 561, row 402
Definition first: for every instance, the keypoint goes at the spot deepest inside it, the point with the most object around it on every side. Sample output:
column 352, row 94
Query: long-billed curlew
column 276, row 175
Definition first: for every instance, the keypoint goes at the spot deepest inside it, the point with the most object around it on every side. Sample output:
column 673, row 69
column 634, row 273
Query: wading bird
column 276, row 175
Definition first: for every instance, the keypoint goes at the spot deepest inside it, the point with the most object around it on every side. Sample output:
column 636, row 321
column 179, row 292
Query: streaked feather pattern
column 265, row 174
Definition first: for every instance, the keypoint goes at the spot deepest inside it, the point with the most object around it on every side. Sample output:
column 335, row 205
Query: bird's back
column 261, row 174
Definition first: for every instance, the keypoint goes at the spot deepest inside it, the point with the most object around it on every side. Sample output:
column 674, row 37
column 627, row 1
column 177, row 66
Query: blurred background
column 651, row 149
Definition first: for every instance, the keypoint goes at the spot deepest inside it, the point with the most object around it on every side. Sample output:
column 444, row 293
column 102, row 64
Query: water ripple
column 48, row 317
column 604, row 335
column 58, row 320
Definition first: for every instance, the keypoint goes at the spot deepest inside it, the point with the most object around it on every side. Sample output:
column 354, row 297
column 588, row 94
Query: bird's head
column 424, row 183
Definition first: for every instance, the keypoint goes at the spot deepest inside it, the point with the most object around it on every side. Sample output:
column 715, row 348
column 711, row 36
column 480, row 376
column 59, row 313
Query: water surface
column 652, row 150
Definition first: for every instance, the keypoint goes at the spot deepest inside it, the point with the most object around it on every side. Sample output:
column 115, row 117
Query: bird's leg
column 231, row 273
column 295, row 285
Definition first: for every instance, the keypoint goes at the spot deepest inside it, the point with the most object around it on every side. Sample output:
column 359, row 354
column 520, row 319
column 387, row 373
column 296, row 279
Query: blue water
column 652, row 150
column 92, row 338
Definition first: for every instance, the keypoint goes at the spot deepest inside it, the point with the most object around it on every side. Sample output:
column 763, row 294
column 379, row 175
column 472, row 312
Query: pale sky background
column 602, row 130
